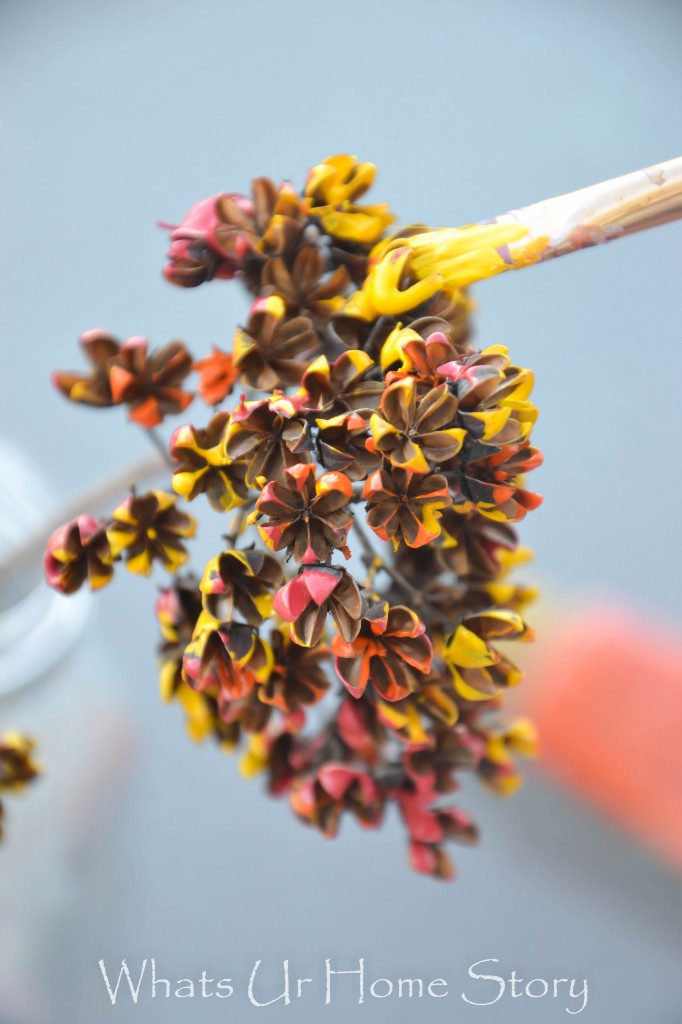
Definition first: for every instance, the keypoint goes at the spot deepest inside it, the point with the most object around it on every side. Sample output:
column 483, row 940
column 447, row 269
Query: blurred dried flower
column 217, row 376
column 76, row 552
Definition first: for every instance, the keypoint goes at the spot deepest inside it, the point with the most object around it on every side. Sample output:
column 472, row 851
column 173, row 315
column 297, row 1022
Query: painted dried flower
column 224, row 234
column 332, row 188
column 416, row 434
column 17, row 767
column 320, row 801
column 298, row 678
column 306, row 517
column 493, row 483
column 177, row 609
column 307, row 599
column 428, row 827
column 204, row 466
column 342, row 445
column 269, row 434
column 194, row 255
column 347, row 385
column 391, row 651
column 497, row 767
column 478, row 670
column 149, row 528
column 405, row 507
column 100, row 348
column 226, row 660
column 78, row 552
column 267, row 225
column 432, row 765
column 273, row 350
column 149, row 384
column 474, row 545
column 305, row 287
column 217, row 376
column 419, row 349
column 242, row 582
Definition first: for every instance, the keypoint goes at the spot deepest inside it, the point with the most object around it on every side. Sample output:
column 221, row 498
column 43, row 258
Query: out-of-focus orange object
column 608, row 706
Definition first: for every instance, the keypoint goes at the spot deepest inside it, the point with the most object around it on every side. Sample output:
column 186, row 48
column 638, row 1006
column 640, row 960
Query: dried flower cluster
column 375, row 462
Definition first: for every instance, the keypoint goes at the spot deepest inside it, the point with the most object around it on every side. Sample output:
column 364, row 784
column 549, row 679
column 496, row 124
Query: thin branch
column 237, row 521
column 160, row 445
column 371, row 558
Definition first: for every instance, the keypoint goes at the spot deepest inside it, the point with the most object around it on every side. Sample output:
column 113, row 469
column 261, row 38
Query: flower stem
column 160, row 445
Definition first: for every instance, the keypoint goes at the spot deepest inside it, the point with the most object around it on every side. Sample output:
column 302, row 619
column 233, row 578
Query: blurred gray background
column 114, row 116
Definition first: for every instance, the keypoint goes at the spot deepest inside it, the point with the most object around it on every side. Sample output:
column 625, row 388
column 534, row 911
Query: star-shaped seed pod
column 307, row 518
column 342, row 445
column 298, row 679
column 475, row 546
column 479, row 671
column 194, row 255
column 304, row 286
column 269, row 435
column 149, row 384
column 17, row 767
column 229, row 233
column 217, row 376
column 492, row 396
column 429, row 826
column 307, row 599
column 391, row 651
column 273, row 350
column 336, row 787
column 492, row 484
column 432, row 765
column 497, row 767
column 418, row 350
column 344, row 386
column 332, row 188
column 243, row 582
column 267, row 225
column 405, row 507
column 177, row 609
column 416, row 434
column 204, row 466
column 147, row 528
column 225, row 660
column 100, row 348
column 78, row 552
